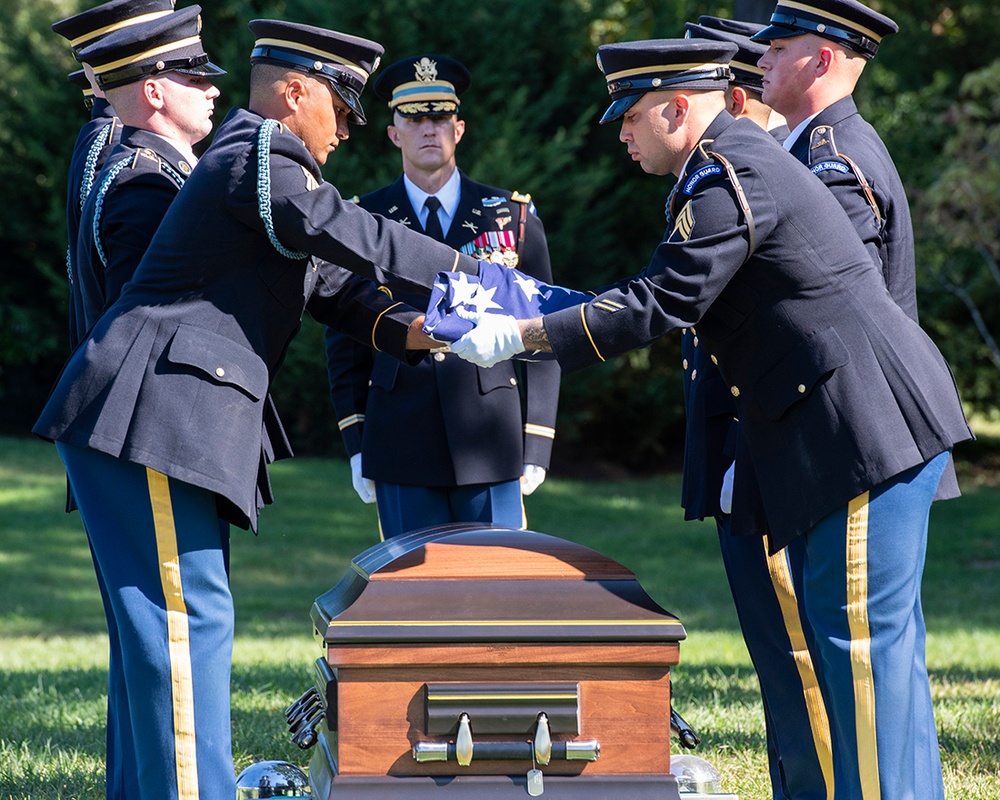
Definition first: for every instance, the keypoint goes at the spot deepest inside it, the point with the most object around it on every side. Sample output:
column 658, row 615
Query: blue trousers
column 857, row 577
column 799, row 753
column 404, row 508
column 161, row 555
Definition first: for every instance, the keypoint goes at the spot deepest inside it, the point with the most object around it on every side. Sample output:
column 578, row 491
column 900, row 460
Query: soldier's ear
column 393, row 133
column 294, row 92
column 737, row 101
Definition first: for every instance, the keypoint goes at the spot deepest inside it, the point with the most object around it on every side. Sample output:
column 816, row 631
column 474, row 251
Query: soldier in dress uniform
column 158, row 77
column 443, row 440
column 796, row 724
column 848, row 409
column 100, row 135
column 163, row 416
column 817, row 52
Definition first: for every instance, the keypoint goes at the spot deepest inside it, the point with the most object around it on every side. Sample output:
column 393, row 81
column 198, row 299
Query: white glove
column 362, row 485
column 726, row 495
column 532, row 478
column 494, row 339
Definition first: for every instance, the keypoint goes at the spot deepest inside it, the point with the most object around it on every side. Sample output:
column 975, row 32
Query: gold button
column 695, row 341
column 220, row 371
column 735, row 390
column 694, row 331
column 715, row 360
column 694, row 374
column 513, row 381
column 439, row 356
column 684, row 331
column 802, row 388
column 685, row 362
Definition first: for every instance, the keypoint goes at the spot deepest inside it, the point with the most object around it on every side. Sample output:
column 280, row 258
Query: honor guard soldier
column 159, row 78
column 796, row 724
column 99, row 136
column 443, row 440
column 817, row 52
column 163, row 415
column 848, row 409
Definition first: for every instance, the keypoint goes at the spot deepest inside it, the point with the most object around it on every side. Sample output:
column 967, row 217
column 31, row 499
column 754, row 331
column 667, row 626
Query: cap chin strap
column 115, row 78
column 863, row 44
column 643, row 85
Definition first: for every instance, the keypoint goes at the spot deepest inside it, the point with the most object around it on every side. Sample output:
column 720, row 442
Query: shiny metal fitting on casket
column 272, row 779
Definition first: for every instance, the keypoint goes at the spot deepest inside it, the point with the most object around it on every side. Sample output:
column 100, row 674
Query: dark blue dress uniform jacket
column 444, row 421
column 142, row 176
column 175, row 375
column 847, row 154
column 836, row 388
column 93, row 145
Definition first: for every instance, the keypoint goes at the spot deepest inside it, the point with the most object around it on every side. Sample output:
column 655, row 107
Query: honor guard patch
column 685, row 223
column 697, row 177
column 824, row 166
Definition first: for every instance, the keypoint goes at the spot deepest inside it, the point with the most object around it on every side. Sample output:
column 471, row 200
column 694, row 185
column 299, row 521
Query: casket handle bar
column 541, row 748
column 304, row 715
column 686, row 735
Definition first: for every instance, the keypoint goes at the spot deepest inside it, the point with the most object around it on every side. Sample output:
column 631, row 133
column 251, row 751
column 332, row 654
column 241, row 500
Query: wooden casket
column 488, row 662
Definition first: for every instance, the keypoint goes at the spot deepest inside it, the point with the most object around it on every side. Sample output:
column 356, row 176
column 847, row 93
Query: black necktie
column 433, row 225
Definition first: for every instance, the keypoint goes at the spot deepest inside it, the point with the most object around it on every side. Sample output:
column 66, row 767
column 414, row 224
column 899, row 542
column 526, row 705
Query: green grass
column 53, row 646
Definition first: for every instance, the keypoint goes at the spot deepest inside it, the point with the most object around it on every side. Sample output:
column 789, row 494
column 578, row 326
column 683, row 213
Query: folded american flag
column 458, row 300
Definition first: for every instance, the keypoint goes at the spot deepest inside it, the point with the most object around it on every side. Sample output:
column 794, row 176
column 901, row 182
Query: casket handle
column 463, row 742
column 542, row 742
column 581, row 750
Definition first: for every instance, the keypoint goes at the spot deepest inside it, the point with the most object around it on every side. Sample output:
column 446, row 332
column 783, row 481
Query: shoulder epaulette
column 824, row 156
column 148, row 155
column 741, row 197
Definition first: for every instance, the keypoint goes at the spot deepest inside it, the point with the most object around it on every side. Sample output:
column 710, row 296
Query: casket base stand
column 489, row 663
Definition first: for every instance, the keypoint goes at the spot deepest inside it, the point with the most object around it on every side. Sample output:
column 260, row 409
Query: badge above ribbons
column 459, row 300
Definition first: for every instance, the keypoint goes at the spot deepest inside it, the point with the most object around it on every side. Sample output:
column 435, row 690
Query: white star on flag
column 483, row 300
column 527, row 285
column 463, row 290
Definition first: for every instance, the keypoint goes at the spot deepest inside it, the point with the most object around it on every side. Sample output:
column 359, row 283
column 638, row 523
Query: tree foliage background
column 532, row 110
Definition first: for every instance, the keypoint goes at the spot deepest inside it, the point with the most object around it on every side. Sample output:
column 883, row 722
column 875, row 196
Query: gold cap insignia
column 425, row 70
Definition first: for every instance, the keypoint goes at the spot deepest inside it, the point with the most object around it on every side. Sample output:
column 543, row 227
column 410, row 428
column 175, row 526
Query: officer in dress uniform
column 99, row 136
column 848, row 409
column 163, row 416
column 796, row 724
column 443, row 440
column 817, row 52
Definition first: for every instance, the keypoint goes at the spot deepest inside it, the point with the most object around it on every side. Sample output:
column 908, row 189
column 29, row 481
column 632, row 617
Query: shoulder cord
column 869, row 195
column 264, row 188
column 87, row 181
column 99, row 206
column 741, row 199
column 171, row 173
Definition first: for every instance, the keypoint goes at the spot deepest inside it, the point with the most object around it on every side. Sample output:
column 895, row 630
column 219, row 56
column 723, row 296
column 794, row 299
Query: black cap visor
column 206, row 70
column 618, row 107
column 776, row 32
column 350, row 97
